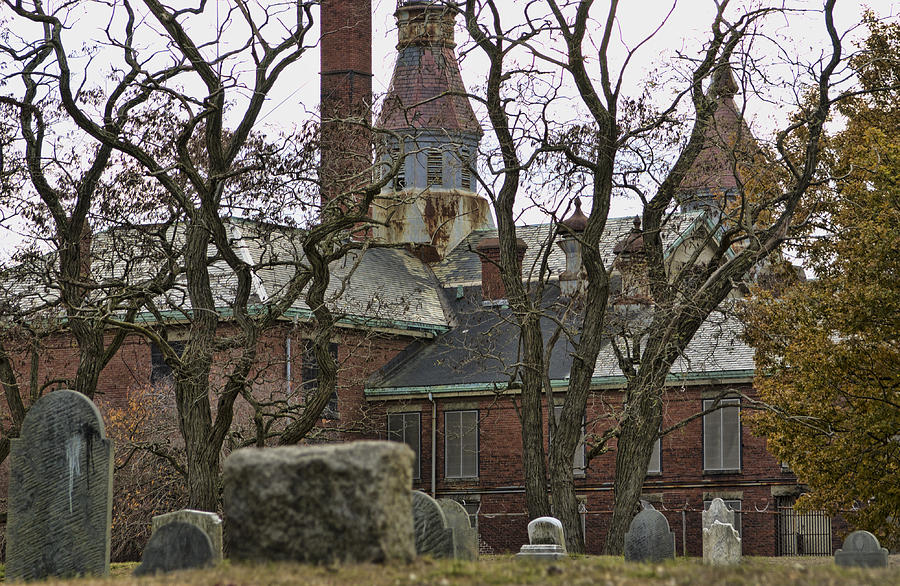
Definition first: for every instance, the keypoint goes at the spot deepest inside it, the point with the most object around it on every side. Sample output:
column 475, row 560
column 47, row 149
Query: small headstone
column 320, row 504
column 433, row 536
column 861, row 548
column 547, row 540
column 209, row 523
column 60, row 491
column 721, row 545
column 465, row 537
column 176, row 546
column 718, row 511
column 648, row 538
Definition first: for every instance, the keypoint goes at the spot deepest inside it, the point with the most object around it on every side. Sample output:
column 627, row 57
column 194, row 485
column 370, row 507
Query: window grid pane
column 722, row 436
column 578, row 459
column 405, row 428
column 654, row 466
column 461, row 444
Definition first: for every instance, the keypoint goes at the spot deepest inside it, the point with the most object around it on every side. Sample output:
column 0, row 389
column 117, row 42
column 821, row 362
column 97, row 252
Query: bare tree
column 617, row 143
column 215, row 88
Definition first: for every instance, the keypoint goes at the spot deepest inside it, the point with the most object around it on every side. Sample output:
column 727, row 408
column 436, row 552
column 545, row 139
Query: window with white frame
column 722, row 436
column 406, row 428
column 734, row 505
column 461, row 444
column 655, row 465
column 578, row 459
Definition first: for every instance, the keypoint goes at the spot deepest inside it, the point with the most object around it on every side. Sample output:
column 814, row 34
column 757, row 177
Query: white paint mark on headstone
column 73, row 459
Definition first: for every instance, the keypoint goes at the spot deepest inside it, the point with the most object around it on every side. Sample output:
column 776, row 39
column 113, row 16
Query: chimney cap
column 494, row 243
column 633, row 241
column 577, row 222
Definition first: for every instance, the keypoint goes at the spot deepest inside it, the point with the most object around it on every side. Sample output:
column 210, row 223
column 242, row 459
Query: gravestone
column 60, row 491
column 547, row 540
column 320, row 504
column 648, row 538
column 209, row 523
column 718, row 511
column 433, row 536
column 721, row 545
column 862, row 549
column 465, row 537
column 176, row 546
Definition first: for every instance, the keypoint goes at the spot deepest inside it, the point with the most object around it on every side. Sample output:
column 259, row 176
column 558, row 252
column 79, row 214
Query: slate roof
column 481, row 350
column 420, row 76
column 462, row 266
column 376, row 288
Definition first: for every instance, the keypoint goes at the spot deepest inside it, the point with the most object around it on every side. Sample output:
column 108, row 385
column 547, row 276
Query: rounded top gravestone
column 176, row 546
column 60, row 491
column 648, row 538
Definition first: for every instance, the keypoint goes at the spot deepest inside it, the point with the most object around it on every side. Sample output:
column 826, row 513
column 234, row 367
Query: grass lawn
column 507, row 570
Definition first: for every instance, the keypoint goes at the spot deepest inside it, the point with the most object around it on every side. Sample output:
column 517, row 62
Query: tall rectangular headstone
column 648, row 538
column 465, row 537
column 721, row 545
column 433, row 536
column 60, row 491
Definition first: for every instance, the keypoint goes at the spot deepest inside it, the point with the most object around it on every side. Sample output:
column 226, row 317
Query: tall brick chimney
column 492, row 287
column 346, row 94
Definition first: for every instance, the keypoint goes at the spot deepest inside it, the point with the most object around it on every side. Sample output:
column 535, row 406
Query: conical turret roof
column 427, row 90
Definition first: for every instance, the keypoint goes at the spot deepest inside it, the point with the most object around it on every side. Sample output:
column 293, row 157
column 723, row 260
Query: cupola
column 571, row 280
column 631, row 263
column 431, row 203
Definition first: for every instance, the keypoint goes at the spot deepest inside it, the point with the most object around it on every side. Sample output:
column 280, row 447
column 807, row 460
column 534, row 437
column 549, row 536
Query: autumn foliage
column 146, row 481
column 828, row 351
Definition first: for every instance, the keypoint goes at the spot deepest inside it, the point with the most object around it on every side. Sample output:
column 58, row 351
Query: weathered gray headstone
column 648, row 538
column 60, row 491
column 209, row 523
column 718, row 511
column 721, row 545
column 320, row 504
column 176, row 546
column 861, row 548
column 547, row 540
column 465, row 537
column 433, row 536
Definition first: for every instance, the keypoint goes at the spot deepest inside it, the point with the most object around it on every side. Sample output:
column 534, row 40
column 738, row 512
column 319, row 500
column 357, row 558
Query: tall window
column 461, row 444
column 722, row 436
column 435, row 167
column 160, row 372
column 310, row 374
column 655, row 465
column 578, row 459
column 407, row 428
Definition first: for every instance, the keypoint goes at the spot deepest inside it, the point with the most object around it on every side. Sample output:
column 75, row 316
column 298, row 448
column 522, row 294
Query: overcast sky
column 296, row 96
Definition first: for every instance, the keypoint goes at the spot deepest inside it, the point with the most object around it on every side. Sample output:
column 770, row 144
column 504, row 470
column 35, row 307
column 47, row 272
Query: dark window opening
column 160, row 372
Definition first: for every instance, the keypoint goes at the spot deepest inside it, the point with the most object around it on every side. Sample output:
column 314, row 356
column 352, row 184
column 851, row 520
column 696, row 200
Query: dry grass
column 507, row 570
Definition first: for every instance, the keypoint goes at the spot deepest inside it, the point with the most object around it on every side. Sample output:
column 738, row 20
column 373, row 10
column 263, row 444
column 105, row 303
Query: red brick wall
column 683, row 485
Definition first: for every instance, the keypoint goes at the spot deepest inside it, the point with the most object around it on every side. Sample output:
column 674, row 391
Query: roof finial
column 577, row 222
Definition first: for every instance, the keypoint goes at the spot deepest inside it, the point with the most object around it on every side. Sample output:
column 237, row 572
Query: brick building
column 425, row 343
